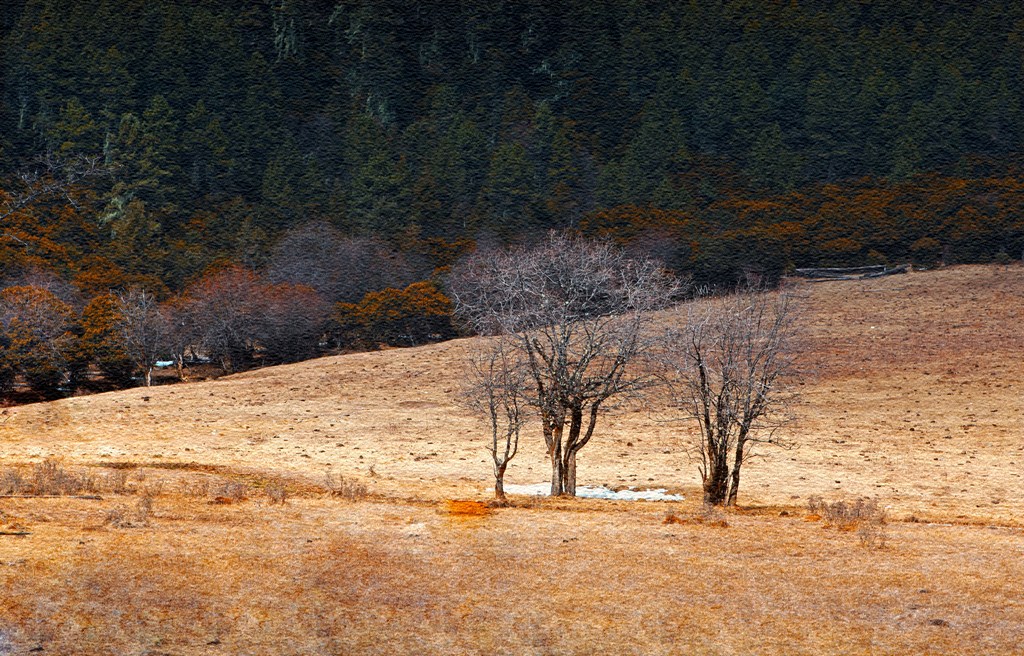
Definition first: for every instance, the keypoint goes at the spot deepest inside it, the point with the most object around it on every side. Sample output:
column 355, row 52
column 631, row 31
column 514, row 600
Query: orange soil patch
column 464, row 508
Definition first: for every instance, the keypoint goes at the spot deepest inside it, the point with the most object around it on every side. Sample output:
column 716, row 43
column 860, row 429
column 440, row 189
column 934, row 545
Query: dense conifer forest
column 329, row 159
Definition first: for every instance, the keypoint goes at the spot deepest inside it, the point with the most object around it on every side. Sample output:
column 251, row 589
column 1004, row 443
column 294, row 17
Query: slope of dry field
column 914, row 397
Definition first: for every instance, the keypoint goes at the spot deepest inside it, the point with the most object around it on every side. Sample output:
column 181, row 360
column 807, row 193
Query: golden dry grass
column 915, row 399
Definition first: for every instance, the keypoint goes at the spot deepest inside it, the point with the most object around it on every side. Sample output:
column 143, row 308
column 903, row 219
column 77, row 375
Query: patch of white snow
column 595, row 492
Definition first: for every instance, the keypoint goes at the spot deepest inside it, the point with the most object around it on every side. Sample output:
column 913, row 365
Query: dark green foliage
column 741, row 258
column 926, row 251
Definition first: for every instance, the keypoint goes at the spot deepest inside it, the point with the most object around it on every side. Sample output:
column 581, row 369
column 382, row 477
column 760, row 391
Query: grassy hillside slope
column 914, row 398
column 912, row 391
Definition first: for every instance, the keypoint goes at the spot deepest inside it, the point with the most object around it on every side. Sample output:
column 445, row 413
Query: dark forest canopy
column 228, row 124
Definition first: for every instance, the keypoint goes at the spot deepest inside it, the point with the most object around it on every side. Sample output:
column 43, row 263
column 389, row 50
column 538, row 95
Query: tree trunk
column 569, row 454
column 569, row 472
column 737, row 462
column 715, row 489
column 734, row 488
column 716, row 485
column 499, row 483
column 148, row 376
column 557, row 480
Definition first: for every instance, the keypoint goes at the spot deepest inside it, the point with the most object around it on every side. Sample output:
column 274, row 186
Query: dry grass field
column 306, row 509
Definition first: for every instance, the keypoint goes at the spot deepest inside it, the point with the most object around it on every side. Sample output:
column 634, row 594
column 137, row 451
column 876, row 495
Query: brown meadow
column 334, row 507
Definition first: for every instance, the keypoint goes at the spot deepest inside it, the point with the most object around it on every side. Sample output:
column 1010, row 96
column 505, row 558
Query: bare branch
column 496, row 385
column 51, row 176
column 145, row 329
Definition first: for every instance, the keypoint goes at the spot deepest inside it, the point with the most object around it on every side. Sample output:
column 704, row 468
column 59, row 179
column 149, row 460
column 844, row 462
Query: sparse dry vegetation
column 909, row 437
column 864, row 516
column 126, row 516
column 277, row 493
column 47, row 478
column 230, row 492
column 346, row 488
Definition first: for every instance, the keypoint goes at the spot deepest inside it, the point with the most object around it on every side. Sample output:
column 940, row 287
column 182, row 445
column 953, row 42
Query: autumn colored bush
column 928, row 220
column 103, row 341
column 42, row 338
column 397, row 317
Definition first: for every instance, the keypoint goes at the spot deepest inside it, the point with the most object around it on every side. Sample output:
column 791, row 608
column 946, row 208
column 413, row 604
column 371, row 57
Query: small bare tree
column 145, row 329
column 577, row 314
column 496, row 385
column 725, row 369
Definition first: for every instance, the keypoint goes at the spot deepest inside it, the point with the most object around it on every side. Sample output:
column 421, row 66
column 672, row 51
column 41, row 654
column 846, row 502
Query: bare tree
column 145, row 329
column 50, row 176
column 291, row 322
column 496, row 385
column 339, row 268
column 222, row 310
column 40, row 278
column 183, row 334
column 725, row 370
column 577, row 314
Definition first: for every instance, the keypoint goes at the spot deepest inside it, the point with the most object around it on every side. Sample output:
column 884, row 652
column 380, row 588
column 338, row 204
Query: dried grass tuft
column 230, row 492
column 117, row 481
column 277, row 493
column 12, row 482
column 124, row 516
column 339, row 486
column 50, row 478
column 862, row 516
column 709, row 516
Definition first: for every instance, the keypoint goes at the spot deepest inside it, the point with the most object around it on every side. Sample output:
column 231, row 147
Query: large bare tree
column 339, row 268
column 725, row 371
column 578, row 315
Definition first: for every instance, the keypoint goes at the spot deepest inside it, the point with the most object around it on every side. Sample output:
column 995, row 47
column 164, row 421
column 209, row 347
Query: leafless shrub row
column 48, row 478
column 51, row 478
